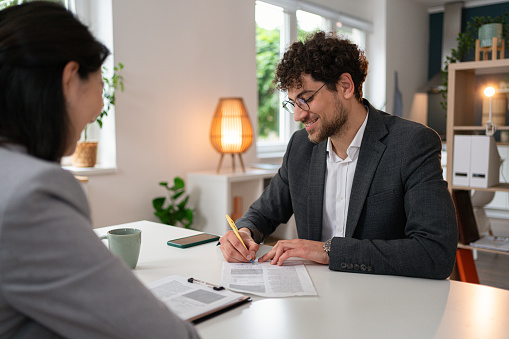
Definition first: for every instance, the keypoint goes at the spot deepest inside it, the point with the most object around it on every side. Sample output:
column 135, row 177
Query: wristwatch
column 326, row 246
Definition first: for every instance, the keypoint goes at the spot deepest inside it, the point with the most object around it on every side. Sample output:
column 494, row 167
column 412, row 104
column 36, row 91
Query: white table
column 348, row 305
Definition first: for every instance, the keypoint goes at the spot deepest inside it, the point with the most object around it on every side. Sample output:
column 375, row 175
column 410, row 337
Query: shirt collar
column 352, row 150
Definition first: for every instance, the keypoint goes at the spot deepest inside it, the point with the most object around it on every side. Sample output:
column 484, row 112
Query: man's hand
column 306, row 249
column 234, row 251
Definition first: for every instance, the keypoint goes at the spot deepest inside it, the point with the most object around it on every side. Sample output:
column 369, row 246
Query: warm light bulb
column 489, row 91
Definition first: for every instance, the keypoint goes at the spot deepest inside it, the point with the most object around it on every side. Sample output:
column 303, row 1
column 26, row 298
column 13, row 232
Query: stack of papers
column 492, row 243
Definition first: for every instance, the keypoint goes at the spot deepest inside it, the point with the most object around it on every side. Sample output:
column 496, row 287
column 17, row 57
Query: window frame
column 287, row 126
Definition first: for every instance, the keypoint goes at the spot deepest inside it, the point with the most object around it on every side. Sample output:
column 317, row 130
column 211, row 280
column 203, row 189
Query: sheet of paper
column 189, row 300
column 266, row 280
column 492, row 243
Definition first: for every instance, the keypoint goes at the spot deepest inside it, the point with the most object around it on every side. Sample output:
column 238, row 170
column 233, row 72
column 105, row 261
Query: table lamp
column 490, row 126
column 231, row 131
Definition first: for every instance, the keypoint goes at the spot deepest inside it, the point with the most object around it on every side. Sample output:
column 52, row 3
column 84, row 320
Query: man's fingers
column 233, row 249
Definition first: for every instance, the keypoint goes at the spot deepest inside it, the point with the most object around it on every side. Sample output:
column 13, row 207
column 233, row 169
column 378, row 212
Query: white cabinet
column 212, row 194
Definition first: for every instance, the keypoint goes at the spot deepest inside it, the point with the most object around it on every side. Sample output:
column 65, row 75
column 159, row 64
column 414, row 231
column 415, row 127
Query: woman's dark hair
column 325, row 57
column 37, row 40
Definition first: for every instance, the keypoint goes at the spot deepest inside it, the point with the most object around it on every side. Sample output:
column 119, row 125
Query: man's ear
column 345, row 86
column 70, row 77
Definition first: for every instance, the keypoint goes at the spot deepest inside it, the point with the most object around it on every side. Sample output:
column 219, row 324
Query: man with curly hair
column 366, row 187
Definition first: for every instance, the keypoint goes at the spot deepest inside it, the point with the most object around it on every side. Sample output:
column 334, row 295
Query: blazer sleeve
column 427, row 246
column 56, row 272
column 273, row 207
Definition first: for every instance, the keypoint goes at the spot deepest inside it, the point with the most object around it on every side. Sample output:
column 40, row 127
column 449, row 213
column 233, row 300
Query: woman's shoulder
column 24, row 174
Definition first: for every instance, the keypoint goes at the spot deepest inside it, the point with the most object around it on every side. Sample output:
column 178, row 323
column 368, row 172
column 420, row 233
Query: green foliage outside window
column 8, row 3
column 267, row 57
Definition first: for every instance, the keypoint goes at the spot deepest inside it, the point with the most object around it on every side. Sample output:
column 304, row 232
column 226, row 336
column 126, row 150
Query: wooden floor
column 493, row 269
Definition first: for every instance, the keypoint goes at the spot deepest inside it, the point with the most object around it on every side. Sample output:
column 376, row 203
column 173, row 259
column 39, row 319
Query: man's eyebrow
column 301, row 93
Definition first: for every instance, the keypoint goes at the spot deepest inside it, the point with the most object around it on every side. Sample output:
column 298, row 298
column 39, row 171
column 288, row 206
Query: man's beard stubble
column 335, row 127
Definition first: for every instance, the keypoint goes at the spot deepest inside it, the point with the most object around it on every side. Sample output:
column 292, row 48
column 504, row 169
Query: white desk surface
column 348, row 305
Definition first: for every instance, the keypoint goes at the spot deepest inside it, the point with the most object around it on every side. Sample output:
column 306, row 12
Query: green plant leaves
column 111, row 84
column 176, row 212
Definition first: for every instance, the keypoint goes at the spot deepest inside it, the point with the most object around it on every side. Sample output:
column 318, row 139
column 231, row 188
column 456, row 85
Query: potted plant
column 466, row 41
column 174, row 211
column 86, row 151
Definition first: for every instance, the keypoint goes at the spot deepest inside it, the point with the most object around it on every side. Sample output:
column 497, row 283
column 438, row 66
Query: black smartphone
column 193, row 240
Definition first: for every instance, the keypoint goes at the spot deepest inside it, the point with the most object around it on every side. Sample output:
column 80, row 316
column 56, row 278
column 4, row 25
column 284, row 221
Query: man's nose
column 299, row 113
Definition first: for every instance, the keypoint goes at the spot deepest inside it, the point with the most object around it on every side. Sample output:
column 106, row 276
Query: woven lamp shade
column 231, row 130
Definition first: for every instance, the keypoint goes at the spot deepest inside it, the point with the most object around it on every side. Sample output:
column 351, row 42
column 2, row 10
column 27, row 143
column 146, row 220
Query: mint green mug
column 125, row 243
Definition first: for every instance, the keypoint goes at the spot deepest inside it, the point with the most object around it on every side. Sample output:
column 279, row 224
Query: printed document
column 191, row 301
column 492, row 243
column 266, row 280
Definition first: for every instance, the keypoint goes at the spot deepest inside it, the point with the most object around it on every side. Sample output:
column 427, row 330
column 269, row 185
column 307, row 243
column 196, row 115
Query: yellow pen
column 234, row 228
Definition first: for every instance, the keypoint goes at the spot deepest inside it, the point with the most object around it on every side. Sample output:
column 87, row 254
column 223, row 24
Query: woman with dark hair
column 57, row 279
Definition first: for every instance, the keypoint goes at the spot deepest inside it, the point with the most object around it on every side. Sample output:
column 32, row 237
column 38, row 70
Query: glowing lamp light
column 490, row 126
column 489, row 91
column 231, row 131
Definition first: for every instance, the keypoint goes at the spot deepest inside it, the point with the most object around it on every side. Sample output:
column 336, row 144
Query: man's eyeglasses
column 289, row 105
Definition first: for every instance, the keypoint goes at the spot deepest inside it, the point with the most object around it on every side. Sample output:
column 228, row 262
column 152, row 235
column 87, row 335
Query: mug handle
column 103, row 237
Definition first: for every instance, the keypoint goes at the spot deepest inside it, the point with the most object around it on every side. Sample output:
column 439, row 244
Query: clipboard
column 205, row 300
column 202, row 317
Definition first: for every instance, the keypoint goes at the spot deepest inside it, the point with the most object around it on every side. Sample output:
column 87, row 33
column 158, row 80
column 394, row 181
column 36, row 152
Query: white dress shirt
column 338, row 185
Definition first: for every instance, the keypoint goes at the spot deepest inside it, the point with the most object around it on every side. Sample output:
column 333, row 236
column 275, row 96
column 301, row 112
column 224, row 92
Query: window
column 97, row 15
column 7, row 3
column 278, row 23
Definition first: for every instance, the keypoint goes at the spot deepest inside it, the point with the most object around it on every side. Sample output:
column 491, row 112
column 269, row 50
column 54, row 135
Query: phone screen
column 193, row 240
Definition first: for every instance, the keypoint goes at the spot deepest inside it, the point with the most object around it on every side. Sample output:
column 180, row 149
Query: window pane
column 354, row 35
column 7, row 3
column 269, row 24
column 309, row 23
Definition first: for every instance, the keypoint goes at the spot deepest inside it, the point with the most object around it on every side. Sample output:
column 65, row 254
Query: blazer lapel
column 315, row 191
column 370, row 154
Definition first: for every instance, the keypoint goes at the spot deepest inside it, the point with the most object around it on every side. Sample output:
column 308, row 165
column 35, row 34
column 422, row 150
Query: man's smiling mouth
column 310, row 123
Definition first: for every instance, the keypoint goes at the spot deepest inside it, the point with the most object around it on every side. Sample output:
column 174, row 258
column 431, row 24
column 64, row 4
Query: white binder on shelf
column 484, row 161
column 461, row 160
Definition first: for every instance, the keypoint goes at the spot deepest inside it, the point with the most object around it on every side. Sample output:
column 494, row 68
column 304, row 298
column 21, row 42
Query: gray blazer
column 401, row 219
column 57, row 279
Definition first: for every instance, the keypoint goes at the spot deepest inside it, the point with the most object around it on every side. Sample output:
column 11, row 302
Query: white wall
column 180, row 57
column 407, row 53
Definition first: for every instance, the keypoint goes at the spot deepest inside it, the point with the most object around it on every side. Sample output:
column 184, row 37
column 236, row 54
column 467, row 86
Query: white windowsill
column 97, row 170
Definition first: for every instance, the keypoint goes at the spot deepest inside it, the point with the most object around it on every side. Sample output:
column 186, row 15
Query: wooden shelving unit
column 460, row 120
column 460, row 101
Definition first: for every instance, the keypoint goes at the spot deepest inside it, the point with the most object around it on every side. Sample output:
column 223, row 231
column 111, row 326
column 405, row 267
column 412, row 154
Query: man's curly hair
column 325, row 57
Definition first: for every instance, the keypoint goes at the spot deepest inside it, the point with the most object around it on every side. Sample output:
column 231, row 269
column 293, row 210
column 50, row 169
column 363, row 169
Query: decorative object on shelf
column 86, row 151
column 490, row 40
column 237, row 208
column 231, row 131
column 174, row 211
column 466, row 41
